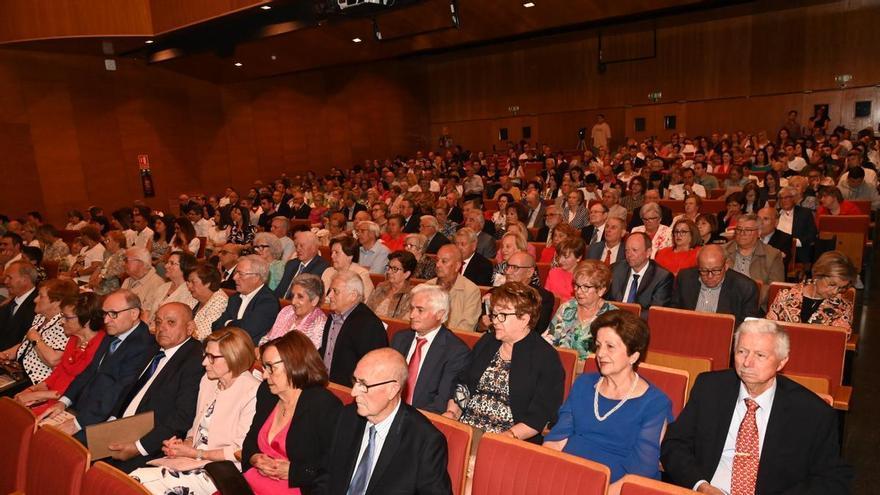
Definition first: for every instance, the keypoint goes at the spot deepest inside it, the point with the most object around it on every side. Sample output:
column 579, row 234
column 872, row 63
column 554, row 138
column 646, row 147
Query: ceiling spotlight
column 356, row 40
column 149, row 42
column 528, row 5
column 266, row 7
column 238, row 64
column 273, row 57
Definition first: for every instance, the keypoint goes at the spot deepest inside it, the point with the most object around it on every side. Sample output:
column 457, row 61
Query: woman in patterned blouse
column 304, row 313
column 204, row 285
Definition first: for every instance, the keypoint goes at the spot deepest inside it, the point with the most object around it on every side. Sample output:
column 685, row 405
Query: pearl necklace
column 619, row 404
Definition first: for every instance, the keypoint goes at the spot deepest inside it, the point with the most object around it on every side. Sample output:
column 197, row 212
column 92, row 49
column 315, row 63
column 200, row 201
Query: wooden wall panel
column 173, row 14
column 40, row 19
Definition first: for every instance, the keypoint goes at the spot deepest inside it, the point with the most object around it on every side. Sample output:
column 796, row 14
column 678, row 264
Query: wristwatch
column 200, row 454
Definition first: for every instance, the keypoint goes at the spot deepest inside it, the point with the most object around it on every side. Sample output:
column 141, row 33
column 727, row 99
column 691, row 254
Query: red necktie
column 747, row 455
column 414, row 362
column 608, row 257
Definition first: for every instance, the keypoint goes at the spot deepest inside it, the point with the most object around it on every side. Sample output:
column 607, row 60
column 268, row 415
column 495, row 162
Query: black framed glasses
column 270, row 367
column 712, row 272
column 511, row 266
column 500, row 317
column 358, row 384
column 585, row 287
column 113, row 314
column 211, row 357
column 69, row 317
column 393, row 269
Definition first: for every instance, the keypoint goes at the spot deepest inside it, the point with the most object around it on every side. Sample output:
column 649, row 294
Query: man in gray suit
column 639, row 279
column 433, row 353
column 485, row 243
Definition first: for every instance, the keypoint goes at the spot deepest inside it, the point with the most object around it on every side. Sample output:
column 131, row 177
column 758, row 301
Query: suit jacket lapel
column 389, row 448
column 724, row 413
column 166, row 371
column 778, row 415
column 646, row 279
column 431, row 362
column 354, row 447
column 724, row 296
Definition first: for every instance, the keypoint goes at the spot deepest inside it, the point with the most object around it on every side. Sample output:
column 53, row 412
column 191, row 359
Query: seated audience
column 798, row 222
column 575, row 211
column 624, row 427
column 391, row 298
column 307, row 261
column 831, row 202
column 41, row 349
column 638, row 279
column 748, row 255
column 177, row 270
column 513, row 383
column 426, row 266
column 820, row 300
column 107, row 279
column 224, row 411
column 435, row 355
column 510, row 243
column 280, row 227
column 485, row 242
column 752, row 201
column 659, row 234
column 75, row 220
column 728, row 218
column 707, row 224
column 855, row 187
column 254, row 307
column 240, row 230
column 521, row 268
column 143, row 281
column 464, row 296
column 570, row 326
column 768, row 219
column 352, row 330
column 711, row 287
column 477, row 268
column 184, row 239
column 593, row 233
column 569, row 253
column 16, row 316
column 430, row 228
column 90, row 259
column 788, row 433
column 560, row 233
column 211, row 300
column 692, row 206
column 343, row 257
column 269, row 248
column 54, row 248
column 410, row 452
column 82, row 322
column 394, row 236
column 610, row 249
column 163, row 231
column 304, row 313
column 372, row 255
column 684, row 249
column 551, row 221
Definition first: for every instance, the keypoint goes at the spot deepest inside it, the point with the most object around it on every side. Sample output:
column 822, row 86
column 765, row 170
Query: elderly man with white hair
column 373, row 255
column 434, row 355
column 143, row 280
column 430, row 228
column 352, row 330
column 752, row 430
column 254, row 307
column 307, row 261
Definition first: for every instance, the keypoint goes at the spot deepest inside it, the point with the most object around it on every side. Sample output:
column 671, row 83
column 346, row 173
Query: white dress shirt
column 629, row 281
column 245, row 300
column 724, row 471
column 382, row 429
column 464, row 264
column 412, row 348
column 614, row 250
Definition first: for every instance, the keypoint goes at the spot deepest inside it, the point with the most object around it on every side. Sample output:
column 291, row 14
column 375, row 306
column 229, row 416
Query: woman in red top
column 685, row 246
column 83, row 320
column 394, row 236
column 831, row 202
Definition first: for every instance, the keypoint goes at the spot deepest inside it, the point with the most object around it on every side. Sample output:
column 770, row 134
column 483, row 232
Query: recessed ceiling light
column 238, row 64
column 528, row 5
column 266, row 7
column 356, row 40
column 149, row 42
column 273, row 57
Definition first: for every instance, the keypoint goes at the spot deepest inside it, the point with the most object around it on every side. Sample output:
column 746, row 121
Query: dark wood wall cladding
column 40, row 19
column 743, row 71
column 173, row 14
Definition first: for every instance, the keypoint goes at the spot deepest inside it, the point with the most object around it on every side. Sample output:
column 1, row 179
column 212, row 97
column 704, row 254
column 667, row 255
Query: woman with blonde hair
column 819, row 300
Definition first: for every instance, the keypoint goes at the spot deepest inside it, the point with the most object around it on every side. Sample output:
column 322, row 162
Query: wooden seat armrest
column 842, row 397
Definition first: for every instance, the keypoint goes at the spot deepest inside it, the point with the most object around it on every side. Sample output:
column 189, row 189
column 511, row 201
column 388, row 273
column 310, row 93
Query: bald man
column 711, row 287
column 464, row 295
column 168, row 386
column 380, row 441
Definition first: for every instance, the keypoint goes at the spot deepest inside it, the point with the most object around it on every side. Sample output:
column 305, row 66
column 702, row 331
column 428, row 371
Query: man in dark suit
column 299, row 210
column 119, row 360
column 455, row 213
column 280, row 204
column 407, row 453
column 430, row 228
column 799, row 222
column 410, row 217
column 17, row 314
column 711, row 288
column 476, row 267
column 352, row 329
column 610, row 249
column 433, row 353
column 521, row 268
column 351, row 207
column 485, row 243
column 307, row 261
column 651, row 196
column 227, row 259
column 594, row 232
column 638, row 279
column 768, row 219
column 551, row 220
column 265, row 220
column 751, row 430
column 168, row 386
column 536, row 210
column 255, row 307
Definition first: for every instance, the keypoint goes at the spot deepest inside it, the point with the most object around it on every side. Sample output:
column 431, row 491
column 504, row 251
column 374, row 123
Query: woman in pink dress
column 304, row 313
column 285, row 449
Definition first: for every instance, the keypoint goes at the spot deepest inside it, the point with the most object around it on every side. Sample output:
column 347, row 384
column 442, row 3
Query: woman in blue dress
column 615, row 417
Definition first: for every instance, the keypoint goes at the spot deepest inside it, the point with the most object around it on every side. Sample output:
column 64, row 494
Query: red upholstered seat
column 341, row 393
column 543, row 271
column 513, row 467
column 819, row 351
column 104, row 479
column 469, row 338
column 706, row 335
column 631, row 484
column 569, row 359
column 56, row 464
column 539, row 248
column 712, row 206
column 673, row 382
column 631, row 307
column 377, row 278
column 16, row 430
column 394, row 326
column 459, row 438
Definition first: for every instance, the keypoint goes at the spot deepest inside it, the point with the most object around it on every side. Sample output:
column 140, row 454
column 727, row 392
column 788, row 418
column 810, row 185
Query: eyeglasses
column 743, row 230
column 242, row 274
column 261, row 246
column 113, row 314
column 511, row 266
column 711, row 272
column 362, row 386
column 212, row 357
column 681, row 232
column 270, row 367
column 585, row 287
column 500, row 317
column 393, row 269
column 69, row 317
column 650, row 219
